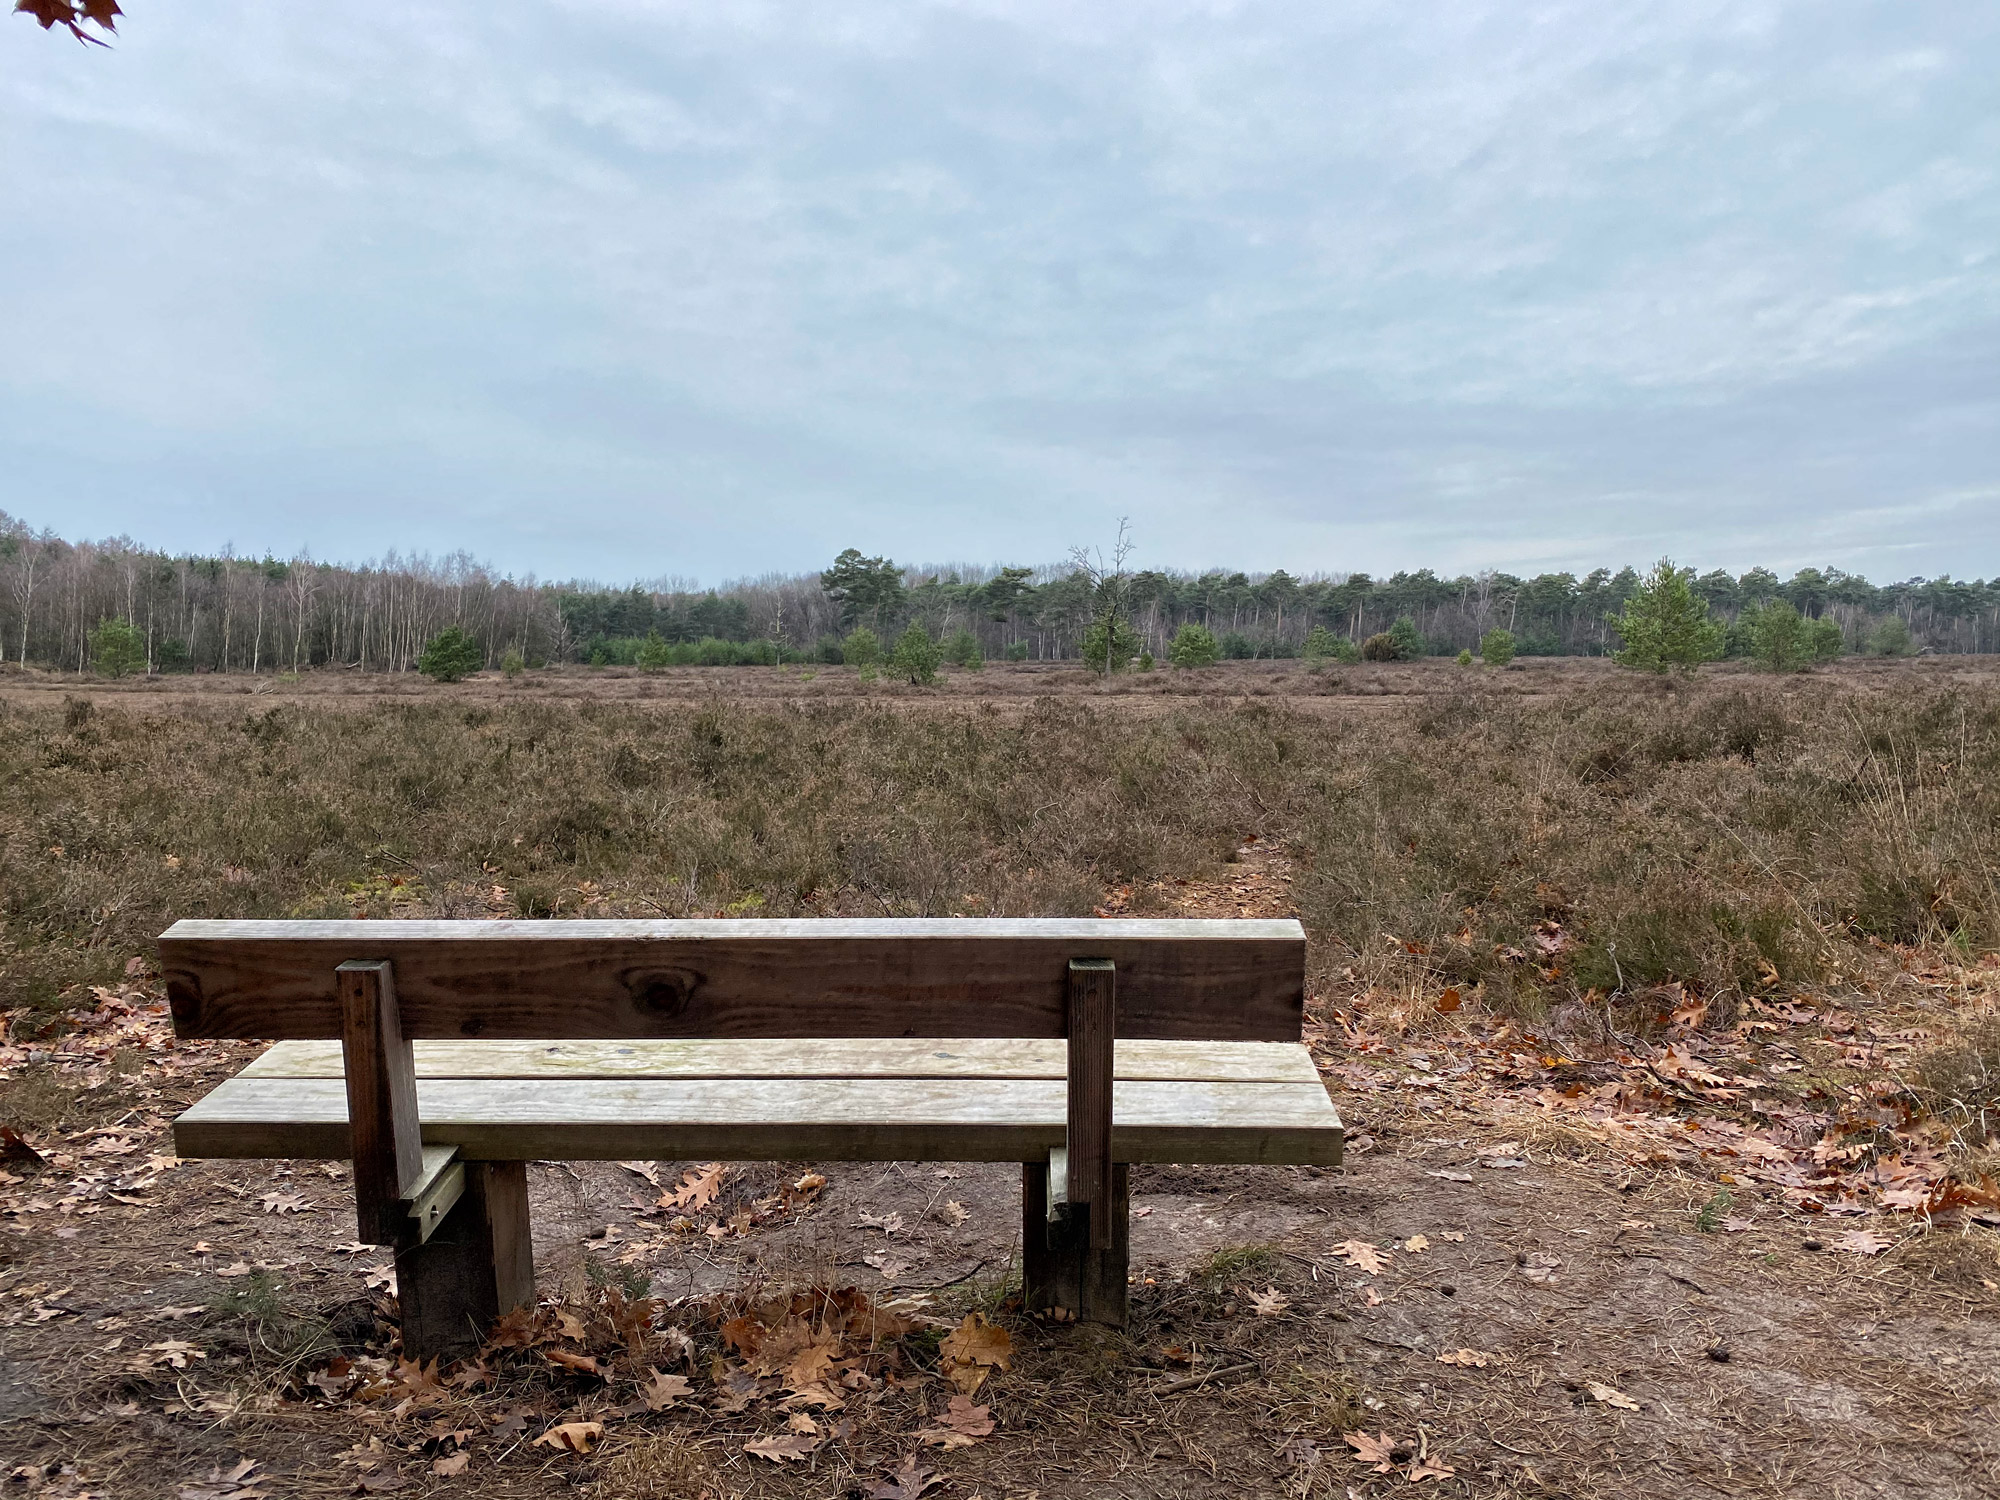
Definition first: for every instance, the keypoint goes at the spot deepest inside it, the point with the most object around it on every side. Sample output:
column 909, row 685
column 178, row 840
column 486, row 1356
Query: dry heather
column 1538, row 853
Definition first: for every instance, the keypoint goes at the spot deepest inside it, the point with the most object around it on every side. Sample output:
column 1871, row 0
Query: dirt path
column 1496, row 1296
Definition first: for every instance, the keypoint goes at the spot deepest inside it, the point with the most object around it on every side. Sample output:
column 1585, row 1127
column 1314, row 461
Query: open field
column 1662, row 1016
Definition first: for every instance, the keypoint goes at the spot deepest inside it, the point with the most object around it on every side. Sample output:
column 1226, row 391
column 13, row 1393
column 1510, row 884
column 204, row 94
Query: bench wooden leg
column 478, row 1264
column 1062, row 1276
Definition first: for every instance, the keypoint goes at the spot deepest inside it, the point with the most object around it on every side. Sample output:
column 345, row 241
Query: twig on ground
column 1189, row 1382
column 933, row 1286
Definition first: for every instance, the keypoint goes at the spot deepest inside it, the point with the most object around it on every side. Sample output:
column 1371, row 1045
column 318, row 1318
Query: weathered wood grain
column 1093, row 1021
column 777, row 1120
column 1184, row 980
column 833, row 1057
column 381, row 1085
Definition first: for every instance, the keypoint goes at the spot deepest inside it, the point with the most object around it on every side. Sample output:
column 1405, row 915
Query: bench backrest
column 1232, row 980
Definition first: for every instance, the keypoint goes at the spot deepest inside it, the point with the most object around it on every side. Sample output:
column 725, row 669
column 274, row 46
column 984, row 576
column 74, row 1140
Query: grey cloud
column 635, row 289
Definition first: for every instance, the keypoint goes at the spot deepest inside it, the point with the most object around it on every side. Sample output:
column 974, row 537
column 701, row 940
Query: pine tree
column 451, row 654
column 116, row 648
column 1666, row 624
column 916, row 657
column 1193, row 646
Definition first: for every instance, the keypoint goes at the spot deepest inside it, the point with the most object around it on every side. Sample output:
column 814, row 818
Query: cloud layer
column 629, row 289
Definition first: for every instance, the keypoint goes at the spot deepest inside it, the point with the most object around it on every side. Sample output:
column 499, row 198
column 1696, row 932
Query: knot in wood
column 665, row 993
column 184, row 998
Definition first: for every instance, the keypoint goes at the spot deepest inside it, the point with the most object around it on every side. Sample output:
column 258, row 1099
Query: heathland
column 1661, row 1010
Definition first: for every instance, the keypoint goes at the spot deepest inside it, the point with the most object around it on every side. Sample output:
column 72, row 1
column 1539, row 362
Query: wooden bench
column 441, row 1057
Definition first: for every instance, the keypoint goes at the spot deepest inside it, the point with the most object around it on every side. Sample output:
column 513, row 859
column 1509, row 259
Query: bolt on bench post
column 1075, row 1209
column 463, row 1250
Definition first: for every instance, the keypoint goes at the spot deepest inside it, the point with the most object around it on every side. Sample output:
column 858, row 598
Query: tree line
column 228, row 613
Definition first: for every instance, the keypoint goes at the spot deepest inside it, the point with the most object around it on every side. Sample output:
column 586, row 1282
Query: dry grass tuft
column 1960, row 1081
column 650, row 1464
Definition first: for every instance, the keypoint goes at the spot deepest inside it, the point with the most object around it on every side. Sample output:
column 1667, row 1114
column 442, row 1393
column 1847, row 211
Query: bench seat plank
column 786, row 1119
column 1193, row 1062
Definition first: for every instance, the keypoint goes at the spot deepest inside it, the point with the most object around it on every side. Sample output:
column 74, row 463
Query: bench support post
column 478, row 1264
column 1062, row 1278
column 1074, row 1249
column 460, row 1261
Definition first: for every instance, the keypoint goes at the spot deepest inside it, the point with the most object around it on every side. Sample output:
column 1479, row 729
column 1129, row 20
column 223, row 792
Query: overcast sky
column 620, row 290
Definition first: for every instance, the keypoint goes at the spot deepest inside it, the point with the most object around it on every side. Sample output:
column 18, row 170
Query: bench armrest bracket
column 438, row 1187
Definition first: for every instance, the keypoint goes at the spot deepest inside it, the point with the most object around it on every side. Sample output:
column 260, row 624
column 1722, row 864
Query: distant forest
column 269, row 614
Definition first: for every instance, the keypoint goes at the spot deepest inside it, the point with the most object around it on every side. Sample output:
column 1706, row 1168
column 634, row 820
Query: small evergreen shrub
column 916, row 657
column 117, row 649
column 451, row 655
column 1193, row 646
column 863, row 648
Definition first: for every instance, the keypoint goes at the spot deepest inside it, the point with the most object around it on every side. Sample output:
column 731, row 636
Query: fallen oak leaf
column 781, row 1449
column 1270, row 1302
column 811, row 1365
column 1860, row 1242
column 451, row 1464
column 699, row 1187
column 1471, row 1358
column 973, row 1349
column 962, row 1425
column 909, row 1481
column 583, row 1364
column 1610, row 1395
column 174, row 1352
column 576, row 1437
column 414, row 1379
column 661, row 1390
column 1430, row 1468
column 823, row 1396
column 1379, row 1451
column 1365, row 1257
